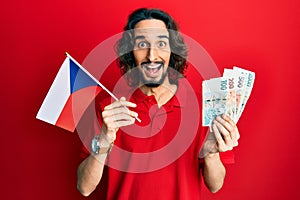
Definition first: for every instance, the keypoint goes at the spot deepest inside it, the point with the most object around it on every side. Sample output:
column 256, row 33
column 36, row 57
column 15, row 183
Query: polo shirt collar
column 138, row 96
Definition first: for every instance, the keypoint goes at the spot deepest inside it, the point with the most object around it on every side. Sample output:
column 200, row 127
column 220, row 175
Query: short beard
column 150, row 83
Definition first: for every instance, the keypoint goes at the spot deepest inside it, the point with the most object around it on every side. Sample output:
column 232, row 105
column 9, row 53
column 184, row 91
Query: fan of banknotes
column 227, row 94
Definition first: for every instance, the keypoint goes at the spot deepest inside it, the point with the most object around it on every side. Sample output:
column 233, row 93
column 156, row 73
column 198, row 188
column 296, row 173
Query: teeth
column 153, row 66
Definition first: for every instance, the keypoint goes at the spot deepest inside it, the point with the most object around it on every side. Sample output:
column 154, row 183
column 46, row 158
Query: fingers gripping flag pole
column 71, row 82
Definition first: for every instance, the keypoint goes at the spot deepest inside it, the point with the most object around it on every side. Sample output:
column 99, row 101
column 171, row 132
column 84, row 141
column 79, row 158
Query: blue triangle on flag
column 78, row 78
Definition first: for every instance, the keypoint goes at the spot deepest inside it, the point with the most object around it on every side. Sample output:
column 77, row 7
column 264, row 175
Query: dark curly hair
column 124, row 47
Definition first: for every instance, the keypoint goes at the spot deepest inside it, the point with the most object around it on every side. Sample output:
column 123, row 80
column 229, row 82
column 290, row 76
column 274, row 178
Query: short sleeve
column 227, row 157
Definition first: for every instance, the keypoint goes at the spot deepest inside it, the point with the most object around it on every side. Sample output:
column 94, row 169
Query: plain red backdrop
column 39, row 161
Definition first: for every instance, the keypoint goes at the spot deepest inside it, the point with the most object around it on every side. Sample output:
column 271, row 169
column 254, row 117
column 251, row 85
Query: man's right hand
column 117, row 115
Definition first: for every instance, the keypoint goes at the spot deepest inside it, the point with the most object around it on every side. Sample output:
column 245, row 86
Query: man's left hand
column 223, row 137
column 225, row 132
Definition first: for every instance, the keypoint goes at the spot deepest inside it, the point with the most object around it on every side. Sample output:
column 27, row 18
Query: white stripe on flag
column 57, row 96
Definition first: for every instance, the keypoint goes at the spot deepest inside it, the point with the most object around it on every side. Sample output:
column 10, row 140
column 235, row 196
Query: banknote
column 249, row 82
column 217, row 99
column 230, row 75
column 227, row 94
column 240, row 92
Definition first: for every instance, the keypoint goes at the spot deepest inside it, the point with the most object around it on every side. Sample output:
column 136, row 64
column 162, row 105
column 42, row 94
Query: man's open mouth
column 152, row 69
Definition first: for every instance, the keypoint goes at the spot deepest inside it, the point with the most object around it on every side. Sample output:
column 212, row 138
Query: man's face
column 152, row 51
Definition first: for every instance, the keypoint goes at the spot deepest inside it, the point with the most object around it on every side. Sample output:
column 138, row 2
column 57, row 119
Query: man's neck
column 162, row 93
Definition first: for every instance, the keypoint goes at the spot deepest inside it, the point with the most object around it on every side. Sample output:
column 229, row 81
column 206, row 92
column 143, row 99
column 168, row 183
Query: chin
column 151, row 83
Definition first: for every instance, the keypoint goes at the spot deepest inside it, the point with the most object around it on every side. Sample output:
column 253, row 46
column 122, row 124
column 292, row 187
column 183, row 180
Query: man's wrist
column 100, row 145
column 212, row 156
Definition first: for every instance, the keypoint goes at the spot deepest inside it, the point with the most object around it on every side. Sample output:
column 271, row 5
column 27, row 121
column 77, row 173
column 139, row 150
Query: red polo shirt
column 158, row 158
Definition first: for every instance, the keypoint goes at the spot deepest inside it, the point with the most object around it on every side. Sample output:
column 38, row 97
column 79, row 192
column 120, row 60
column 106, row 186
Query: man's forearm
column 213, row 172
column 89, row 173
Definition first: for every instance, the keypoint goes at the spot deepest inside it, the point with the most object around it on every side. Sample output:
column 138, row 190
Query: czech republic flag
column 70, row 94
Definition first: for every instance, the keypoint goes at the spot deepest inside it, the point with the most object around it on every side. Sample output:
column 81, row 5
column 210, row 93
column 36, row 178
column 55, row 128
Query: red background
column 39, row 161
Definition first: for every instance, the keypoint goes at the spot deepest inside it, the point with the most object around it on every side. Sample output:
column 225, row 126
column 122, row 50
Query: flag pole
column 97, row 81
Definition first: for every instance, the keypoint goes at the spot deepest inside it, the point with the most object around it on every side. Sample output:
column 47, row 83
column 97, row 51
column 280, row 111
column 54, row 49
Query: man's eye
column 162, row 44
column 142, row 45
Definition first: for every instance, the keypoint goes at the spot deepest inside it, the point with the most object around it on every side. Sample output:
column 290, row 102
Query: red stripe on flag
column 75, row 107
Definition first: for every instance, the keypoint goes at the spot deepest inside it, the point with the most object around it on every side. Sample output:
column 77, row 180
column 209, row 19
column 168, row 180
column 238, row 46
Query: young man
column 157, row 158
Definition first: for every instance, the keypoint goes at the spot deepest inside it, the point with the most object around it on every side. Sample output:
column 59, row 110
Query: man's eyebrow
column 143, row 37
column 163, row 36
column 139, row 37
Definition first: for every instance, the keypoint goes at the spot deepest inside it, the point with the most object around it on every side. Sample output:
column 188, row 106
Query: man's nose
column 152, row 54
